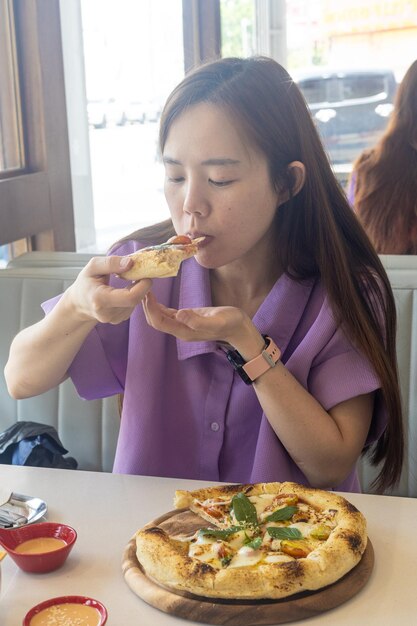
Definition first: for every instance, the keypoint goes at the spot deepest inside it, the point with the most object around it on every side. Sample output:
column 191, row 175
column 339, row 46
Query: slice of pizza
column 212, row 504
column 267, row 540
column 163, row 260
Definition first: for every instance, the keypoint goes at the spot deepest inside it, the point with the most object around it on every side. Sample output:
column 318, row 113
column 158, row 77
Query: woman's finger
column 164, row 319
column 105, row 265
column 129, row 296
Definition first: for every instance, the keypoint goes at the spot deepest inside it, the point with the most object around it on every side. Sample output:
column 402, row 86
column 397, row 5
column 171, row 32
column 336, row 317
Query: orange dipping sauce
column 68, row 614
column 40, row 545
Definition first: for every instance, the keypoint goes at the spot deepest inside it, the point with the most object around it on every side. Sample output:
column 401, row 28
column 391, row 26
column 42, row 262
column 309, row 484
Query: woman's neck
column 243, row 284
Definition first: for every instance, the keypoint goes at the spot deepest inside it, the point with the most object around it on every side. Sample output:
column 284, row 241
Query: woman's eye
column 220, row 183
column 177, row 179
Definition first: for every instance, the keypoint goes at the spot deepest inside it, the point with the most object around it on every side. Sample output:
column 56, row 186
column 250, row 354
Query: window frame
column 36, row 203
column 201, row 32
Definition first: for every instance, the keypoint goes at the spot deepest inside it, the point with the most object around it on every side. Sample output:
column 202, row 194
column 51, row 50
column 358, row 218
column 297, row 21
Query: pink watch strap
column 268, row 358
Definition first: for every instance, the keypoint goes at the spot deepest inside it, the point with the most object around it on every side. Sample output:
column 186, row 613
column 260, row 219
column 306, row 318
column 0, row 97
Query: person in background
column 271, row 356
column 383, row 184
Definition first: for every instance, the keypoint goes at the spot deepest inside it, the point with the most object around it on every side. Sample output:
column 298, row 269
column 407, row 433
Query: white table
column 107, row 509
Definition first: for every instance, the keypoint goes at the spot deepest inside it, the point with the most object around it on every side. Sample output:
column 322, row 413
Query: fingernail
column 125, row 261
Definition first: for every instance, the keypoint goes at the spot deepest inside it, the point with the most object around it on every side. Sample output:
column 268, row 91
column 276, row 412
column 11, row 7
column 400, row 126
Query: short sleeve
column 340, row 372
column 99, row 368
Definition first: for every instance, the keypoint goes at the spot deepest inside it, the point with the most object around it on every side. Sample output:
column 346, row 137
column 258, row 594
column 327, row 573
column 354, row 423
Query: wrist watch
column 249, row 371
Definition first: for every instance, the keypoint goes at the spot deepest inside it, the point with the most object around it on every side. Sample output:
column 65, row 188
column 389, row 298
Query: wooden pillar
column 201, row 32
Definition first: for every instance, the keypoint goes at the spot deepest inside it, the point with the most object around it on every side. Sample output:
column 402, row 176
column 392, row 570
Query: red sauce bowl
column 65, row 600
column 43, row 561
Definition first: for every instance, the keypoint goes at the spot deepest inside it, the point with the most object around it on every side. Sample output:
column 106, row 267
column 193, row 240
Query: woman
column 383, row 185
column 284, row 269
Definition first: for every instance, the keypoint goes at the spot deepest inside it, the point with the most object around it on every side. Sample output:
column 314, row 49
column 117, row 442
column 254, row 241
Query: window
column 315, row 90
column 238, row 34
column 35, row 185
column 348, row 58
column 363, row 86
column 134, row 57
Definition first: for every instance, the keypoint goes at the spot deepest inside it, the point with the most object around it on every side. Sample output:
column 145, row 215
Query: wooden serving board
column 237, row 612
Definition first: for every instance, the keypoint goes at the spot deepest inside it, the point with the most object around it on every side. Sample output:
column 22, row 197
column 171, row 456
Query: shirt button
column 214, row 426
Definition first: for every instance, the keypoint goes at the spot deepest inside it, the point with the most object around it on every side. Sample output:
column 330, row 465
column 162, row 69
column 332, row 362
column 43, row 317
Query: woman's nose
column 195, row 200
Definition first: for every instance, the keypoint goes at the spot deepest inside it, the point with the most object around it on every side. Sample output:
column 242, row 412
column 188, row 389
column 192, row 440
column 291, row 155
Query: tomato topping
column 179, row 240
column 222, row 551
column 214, row 512
column 296, row 548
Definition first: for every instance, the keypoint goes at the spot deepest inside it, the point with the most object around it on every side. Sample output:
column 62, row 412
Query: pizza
column 163, row 260
column 265, row 540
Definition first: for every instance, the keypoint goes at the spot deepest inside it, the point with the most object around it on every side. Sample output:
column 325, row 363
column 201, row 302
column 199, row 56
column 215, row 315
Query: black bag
column 35, row 444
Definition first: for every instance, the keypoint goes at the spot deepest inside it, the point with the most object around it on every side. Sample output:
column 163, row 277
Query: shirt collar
column 278, row 315
column 282, row 309
column 194, row 293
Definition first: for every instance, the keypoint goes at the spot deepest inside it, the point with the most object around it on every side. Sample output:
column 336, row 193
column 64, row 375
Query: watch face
column 236, row 359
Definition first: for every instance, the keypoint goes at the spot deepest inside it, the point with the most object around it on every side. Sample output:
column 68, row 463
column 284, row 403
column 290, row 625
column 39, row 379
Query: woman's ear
column 297, row 171
column 297, row 174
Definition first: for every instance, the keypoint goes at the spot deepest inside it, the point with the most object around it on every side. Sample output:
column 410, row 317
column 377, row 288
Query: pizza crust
column 166, row 560
column 160, row 261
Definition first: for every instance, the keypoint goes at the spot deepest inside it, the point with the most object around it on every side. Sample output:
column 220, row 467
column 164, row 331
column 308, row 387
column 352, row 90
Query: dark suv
column 350, row 107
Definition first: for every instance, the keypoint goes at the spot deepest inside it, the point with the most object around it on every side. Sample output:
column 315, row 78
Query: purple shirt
column 186, row 412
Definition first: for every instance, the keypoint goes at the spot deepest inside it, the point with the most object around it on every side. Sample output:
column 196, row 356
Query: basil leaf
column 284, row 533
column 218, row 533
column 244, row 510
column 282, row 515
column 255, row 544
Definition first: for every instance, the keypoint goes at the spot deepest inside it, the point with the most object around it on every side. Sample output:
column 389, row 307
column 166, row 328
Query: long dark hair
column 317, row 232
column 385, row 183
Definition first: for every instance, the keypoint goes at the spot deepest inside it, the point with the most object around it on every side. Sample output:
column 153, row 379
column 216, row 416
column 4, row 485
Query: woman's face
column 217, row 185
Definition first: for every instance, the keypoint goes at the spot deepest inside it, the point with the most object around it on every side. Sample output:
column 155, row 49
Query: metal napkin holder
column 20, row 510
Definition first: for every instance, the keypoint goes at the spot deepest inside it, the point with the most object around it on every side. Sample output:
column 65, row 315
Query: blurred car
column 152, row 111
column 103, row 113
column 96, row 111
column 135, row 112
column 350, row 107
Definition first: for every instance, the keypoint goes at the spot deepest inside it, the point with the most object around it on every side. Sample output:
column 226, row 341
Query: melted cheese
column 277, row 557
column 204, row 539
column 237, row 540
column 261, row 502
column 304, row 527
column 245, row 557
column 215, row 502
column 212, row 551
column 207, row 553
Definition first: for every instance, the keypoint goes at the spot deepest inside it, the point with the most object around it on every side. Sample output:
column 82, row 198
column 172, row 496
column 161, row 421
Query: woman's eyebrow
column 215, row 161
column 170, row 161
column 220, row 161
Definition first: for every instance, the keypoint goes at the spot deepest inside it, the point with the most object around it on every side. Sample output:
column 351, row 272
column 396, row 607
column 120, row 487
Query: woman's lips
column 206, row 240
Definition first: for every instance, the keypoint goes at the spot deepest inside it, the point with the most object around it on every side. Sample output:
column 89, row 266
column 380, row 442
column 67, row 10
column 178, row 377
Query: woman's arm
column 324, row 444
column 40, row 355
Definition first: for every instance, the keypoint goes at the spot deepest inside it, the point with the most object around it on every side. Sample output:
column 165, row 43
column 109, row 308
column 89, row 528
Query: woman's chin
column 206, row 263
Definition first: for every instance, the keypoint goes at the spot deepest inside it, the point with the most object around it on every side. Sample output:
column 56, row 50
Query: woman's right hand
column 41, row 354
column 92, row 298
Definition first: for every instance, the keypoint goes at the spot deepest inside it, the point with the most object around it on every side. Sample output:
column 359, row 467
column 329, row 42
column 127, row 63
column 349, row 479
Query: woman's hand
column 92, row 298
column 204, row 324
column 223, row 323
column 40, row 355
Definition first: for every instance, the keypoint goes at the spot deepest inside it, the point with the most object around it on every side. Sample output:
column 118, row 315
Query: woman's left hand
column 223, row 323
